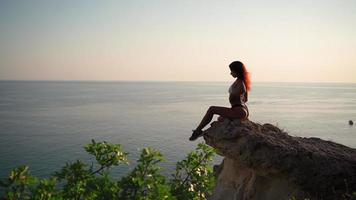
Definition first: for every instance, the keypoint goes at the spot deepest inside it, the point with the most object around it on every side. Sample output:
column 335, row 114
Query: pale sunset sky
column 182, row 40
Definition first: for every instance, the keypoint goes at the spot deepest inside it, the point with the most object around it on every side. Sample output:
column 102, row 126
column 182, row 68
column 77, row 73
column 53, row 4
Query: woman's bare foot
column 196, row 133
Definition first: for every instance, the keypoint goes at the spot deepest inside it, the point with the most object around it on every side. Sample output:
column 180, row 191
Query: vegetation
column 193, row 178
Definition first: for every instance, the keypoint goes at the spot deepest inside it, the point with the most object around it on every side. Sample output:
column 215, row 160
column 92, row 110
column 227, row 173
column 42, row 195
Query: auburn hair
column 240, row 69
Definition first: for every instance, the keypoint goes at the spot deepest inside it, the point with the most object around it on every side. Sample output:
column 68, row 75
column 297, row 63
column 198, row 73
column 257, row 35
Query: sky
column 183, row 40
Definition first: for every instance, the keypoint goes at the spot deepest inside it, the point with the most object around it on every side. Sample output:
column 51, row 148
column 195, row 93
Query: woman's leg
column 235, row 113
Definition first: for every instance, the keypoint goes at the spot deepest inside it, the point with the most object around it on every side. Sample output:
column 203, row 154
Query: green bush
column 193, row 178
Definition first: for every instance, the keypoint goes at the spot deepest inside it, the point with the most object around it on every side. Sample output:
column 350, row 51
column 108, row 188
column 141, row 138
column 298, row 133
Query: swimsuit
column 242, row 104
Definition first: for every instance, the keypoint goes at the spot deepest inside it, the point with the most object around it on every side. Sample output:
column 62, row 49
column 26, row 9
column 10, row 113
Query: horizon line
column 41, row 80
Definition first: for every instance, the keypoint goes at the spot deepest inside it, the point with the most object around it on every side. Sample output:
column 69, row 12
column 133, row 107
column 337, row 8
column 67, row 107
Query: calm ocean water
column 45, row 124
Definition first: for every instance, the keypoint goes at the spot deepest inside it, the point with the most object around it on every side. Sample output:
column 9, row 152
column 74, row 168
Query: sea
column 46, row 124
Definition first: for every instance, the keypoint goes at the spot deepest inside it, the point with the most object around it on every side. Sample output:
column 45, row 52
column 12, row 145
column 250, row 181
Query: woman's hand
column 220, row 119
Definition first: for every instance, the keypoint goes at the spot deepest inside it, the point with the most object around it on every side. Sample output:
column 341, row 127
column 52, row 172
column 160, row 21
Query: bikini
column 240, row 105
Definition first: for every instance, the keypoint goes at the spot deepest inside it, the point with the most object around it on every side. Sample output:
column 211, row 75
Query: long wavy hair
column 240, row 69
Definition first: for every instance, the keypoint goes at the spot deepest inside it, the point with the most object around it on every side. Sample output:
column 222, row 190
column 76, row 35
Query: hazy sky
column 286, row 40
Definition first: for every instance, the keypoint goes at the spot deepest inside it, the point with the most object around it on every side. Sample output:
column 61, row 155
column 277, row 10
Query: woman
column 238, row 96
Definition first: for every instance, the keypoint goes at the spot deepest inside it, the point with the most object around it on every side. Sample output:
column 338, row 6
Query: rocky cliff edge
column 264, row 162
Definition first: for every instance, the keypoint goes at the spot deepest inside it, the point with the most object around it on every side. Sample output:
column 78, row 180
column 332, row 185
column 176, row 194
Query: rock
column 351, row 122
column 264, row 162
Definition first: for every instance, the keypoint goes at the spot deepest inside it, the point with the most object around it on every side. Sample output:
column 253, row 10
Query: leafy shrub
column 145, row 181
column 193, row 178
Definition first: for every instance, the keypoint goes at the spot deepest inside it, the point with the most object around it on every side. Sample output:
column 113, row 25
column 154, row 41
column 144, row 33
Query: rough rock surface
column 264, row 162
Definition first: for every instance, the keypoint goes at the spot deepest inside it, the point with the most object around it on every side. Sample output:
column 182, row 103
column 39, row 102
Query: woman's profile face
column 233, row 74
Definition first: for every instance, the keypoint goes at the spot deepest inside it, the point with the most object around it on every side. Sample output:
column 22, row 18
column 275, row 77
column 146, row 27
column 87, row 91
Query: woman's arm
column 238, row 88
